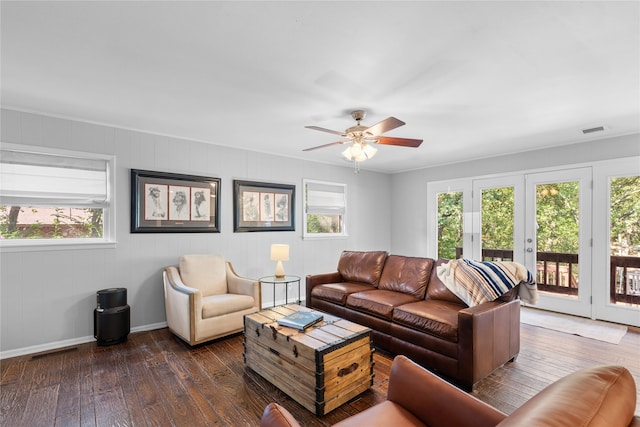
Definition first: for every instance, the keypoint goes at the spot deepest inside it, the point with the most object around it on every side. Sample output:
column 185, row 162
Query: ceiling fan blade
column 335, row 132
column 325, row 145
column 403, row 142
column 385, row 126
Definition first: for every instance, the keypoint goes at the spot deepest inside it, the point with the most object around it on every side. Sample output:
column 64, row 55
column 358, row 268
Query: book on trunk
column 300, row 320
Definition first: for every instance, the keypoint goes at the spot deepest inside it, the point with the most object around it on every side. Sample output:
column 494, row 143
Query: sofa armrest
column 434, row 401
column 243, row 286
column 320, row 279
column 183, row 304
column 275, row 415
column 598, row 396
column 488, row 337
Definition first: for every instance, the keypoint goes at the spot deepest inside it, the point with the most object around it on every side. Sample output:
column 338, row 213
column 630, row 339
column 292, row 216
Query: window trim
column 318, row 236
column 108, row 238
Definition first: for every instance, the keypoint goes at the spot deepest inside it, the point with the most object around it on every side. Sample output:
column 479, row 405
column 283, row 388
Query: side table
column 282, row 281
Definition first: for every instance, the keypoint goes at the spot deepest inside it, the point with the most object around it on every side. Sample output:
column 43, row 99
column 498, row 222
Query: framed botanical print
column 163, row 202
column 262, row 206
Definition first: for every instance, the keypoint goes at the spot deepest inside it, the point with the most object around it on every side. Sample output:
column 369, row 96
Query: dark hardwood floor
column 155, row 379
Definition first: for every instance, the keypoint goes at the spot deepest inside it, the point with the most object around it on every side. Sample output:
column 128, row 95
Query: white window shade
column 325, row 198
column 32, row 179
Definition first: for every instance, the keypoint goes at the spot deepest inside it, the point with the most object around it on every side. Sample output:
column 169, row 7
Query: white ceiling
column 471, row 78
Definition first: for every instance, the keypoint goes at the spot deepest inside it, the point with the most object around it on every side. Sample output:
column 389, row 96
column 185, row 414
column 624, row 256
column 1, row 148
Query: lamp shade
column 279, row 252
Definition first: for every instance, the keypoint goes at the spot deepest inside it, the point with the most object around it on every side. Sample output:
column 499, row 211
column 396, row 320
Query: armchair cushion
column 217, row 305
column 207, row 273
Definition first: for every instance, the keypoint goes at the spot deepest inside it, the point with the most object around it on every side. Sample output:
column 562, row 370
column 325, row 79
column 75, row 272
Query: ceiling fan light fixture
column 369, row 151
column 359, row 152
column 362, row 137
column 347, row 154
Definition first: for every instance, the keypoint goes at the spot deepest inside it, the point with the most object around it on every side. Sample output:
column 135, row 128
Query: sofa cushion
column 338, row 292
column 438, row 290
column 408, row 275
column 364, row 267
column 600, row 396
column 207, row 273
column 439, row 318
column 378, row 302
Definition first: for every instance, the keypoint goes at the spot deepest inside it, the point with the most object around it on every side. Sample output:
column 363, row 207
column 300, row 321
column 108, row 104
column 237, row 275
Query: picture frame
column 263, row 206
column 163, row 202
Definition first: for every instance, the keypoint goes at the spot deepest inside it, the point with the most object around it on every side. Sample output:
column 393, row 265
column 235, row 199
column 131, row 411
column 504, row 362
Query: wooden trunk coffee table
column 321, row 368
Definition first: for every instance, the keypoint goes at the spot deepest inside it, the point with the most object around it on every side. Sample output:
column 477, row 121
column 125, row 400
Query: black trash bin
column 112, row 316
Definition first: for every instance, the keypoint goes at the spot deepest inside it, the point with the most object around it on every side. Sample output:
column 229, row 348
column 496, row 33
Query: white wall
column 48, row 297
column 409, row 233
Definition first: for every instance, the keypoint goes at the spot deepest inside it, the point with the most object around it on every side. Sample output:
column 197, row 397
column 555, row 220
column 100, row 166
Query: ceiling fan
column 362, row 137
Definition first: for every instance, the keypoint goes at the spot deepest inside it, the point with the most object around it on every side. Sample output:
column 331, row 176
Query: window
column 624, row 239
column 450, row 224
column 325, row 206
column 54, row 197
column 449, row 219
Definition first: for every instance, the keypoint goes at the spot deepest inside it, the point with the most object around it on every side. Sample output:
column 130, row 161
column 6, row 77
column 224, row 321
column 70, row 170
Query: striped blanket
column 476, row 282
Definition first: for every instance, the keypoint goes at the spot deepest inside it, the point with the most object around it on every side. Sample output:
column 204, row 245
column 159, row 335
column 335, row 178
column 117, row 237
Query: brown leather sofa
column 411, row 312
column 601, row 396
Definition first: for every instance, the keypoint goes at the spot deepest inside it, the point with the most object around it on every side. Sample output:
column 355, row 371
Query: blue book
column 300, row 320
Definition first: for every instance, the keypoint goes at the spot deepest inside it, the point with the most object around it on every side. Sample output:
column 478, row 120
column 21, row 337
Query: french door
column 558, row 239
column 544, row 220
column 617, row 262
column 541, row 220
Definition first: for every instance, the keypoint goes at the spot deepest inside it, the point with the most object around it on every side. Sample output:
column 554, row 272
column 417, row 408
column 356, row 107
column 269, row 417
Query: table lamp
column 279, row 253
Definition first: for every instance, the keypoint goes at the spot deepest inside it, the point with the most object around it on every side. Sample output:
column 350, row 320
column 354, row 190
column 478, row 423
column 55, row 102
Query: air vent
column 591, row 130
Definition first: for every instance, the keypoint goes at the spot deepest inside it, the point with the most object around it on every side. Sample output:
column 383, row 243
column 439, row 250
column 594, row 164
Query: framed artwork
column 262, row 206
column 164, row 202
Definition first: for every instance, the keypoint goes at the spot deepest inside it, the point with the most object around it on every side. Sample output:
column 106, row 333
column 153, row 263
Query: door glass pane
column 557, row 236
column 624, row 205
column 497, row 224
column 450, row 225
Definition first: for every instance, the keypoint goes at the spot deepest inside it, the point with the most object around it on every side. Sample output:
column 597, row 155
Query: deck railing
column 558, row 273
column 625, row 279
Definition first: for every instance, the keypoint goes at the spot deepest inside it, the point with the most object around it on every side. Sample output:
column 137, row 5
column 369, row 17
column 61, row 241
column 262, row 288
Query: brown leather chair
column 602, row 396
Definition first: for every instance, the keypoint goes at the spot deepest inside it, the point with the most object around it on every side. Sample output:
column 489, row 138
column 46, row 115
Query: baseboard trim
column 41, row 348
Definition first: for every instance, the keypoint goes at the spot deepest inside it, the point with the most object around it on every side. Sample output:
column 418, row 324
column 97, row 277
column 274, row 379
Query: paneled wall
column 48, row 297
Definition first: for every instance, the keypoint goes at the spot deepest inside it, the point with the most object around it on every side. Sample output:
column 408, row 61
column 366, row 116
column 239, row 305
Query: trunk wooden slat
column 321, row 368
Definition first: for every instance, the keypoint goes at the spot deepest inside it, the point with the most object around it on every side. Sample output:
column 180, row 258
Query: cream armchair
column 205, row 299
